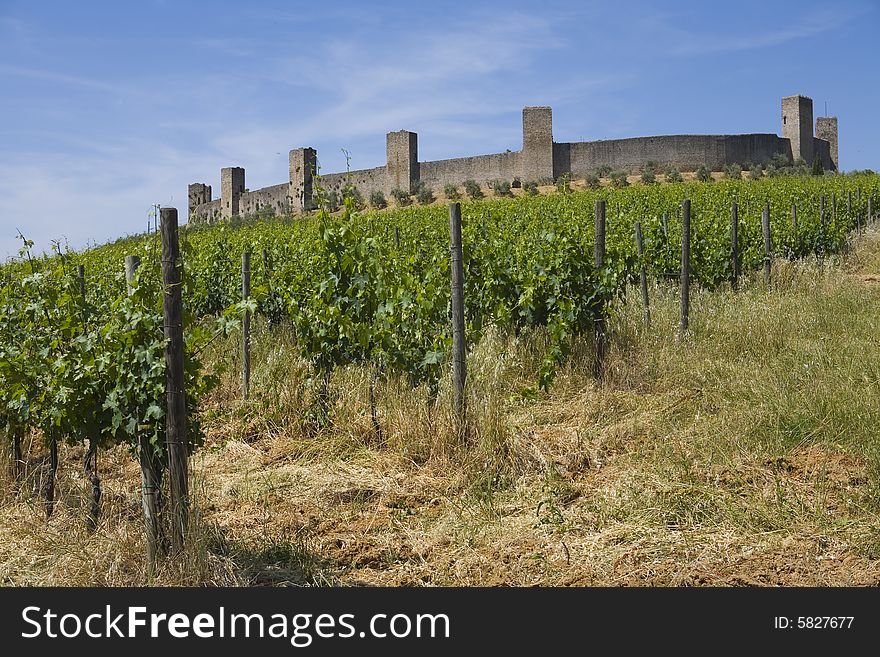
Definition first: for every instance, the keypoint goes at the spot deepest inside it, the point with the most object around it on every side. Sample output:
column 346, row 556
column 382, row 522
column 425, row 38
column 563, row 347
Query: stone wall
column 366, row 181
column 540, row 159
column 822, row 150
column 826, row 129
column 273, row 200
column 206, row 213
column 685, row 152
column 482, row 168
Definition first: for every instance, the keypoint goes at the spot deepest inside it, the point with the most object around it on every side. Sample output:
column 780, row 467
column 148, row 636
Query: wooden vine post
column 600, row 327
column 849, row 212
column 90, row 459
column 643, row 274
column 246, row 326
column 459, row 364
column 820, row 247
column 834, row 211
column 685, row 266
column 768, row 244
column 151, row 482
column 175, row 425
column 734, row 246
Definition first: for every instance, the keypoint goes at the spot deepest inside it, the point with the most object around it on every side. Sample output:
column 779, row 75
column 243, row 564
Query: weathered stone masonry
column 541, row 159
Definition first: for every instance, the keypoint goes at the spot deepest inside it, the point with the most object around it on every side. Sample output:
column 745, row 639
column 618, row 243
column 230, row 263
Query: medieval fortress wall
column 540, row 160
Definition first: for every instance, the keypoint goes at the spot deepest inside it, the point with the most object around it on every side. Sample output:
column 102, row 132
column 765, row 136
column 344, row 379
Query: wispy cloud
column 815, row 23
column 15, row 25
column 87, row 199
column 420, row 78
column 54, row 76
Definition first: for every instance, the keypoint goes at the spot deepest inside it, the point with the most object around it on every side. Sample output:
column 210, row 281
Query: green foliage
column 530, row 187
column 501, row 188
column 733, row 172
column 756, row 172
column 703, row 174
column 619, row 180
column 377, row 200
column 649, row 173
column 451, row 192
column 673, row 175
column 603, row 171
column 332, row 200
column 92, row 368
column 352, row 295
column 352, row 193
column 424, row 195
column 563, row 184
column 472, row 188
column 592, row 181
column 780, row 161
column 818, row 169
column 402, row 197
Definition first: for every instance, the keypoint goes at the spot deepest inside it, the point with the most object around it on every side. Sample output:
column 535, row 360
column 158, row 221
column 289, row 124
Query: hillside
column 745, row 454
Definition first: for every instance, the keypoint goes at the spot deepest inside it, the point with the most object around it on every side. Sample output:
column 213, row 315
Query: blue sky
column 109, row 107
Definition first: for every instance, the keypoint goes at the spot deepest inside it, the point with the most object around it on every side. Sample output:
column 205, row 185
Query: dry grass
column 746, row 454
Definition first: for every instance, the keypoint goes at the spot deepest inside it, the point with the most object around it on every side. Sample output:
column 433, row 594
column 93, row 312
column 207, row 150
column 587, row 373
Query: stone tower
column 231, row 189
column 198, row 194
column 826, row 128
column 402, row 164
column 303, row 166
column 797, row 126
column 537, row 152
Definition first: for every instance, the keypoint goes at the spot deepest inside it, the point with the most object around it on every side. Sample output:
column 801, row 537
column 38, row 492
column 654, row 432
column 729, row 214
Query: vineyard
column 82, row 349
column 374, row 287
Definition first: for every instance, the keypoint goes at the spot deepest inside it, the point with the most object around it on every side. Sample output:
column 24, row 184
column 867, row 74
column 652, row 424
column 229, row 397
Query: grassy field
column 747, row 454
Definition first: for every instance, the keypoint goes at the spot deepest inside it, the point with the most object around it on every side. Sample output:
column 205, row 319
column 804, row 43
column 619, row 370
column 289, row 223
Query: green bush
column 501, row 188
column 353, row 193
column 756, row 172
column 530, row 188
column 603, row 171
column 592, row 181
column 733, row 172
column 450, row 191
column 332, row 200
column 517, row 183
column 424, row 195
column 473, row 189
column 799, row 168
column 401, row 196
column 377, row 200
column 673, row 175
column 703, row 174
column 618, row 179
column 780, row 161
column 563, row 184
column 818, row 169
